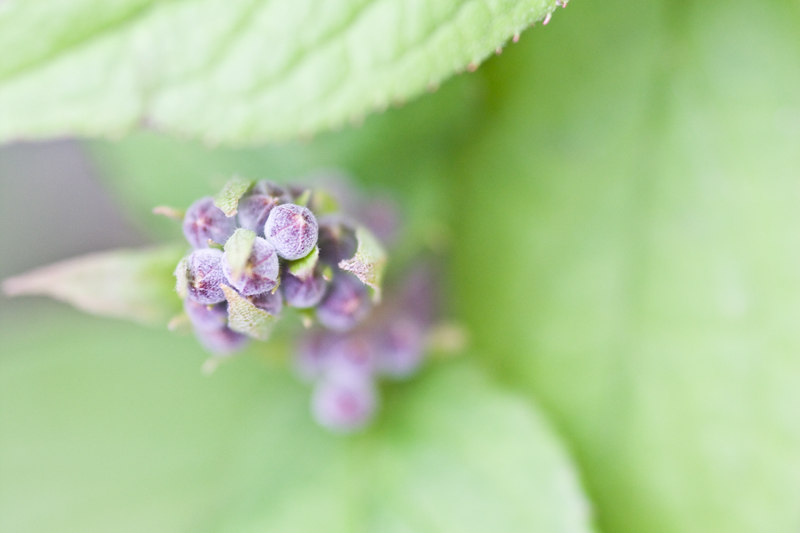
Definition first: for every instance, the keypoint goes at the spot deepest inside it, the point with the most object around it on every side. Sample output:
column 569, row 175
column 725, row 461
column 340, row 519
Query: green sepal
column 246, row 318
column 228, row 198
column 303, row 268
column 238, row 250
column 323, row 203
column 182, row 277
column 369, row 261
column 304, row 198
column 133, row 284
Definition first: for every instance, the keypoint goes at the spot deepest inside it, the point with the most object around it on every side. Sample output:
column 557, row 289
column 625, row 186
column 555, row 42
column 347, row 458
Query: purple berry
column 206, row 317
column 345, row 304
column 349, row 354
column 223, row 341
column 400, row 347
column 336, row 242
column 303, row 293
column 205, row 276
column 292, row 230
column 204, row 221
column 261, row 272
column 269, row 301
column 344, row 404
column 312, row 352
column 254, row 211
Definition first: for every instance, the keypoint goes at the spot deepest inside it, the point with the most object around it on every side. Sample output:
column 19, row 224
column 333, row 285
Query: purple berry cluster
column 294, row 261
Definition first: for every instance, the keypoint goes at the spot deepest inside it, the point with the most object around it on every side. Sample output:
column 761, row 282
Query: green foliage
column 238, row 249
column 246, row 318
column 228, row 198
column 369, row 262
column 303, row 268
column 139, row 440
column 620, row 195
column 234, row 71
column 131, row 284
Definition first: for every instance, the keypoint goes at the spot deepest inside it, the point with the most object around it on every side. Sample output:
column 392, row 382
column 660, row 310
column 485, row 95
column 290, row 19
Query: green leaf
column 246, row 318
column 228, row 198
column 369, row 262
column 238, row 249
column 132, row 284
column 234, row 71
column 628, row 253
column 304, row 267
column 141, row 441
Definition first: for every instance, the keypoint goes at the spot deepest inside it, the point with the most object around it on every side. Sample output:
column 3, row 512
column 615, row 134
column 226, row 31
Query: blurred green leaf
column 629, row 252
column 304, row 267
column 132, row 284
column 234, row 71
column 115, row 429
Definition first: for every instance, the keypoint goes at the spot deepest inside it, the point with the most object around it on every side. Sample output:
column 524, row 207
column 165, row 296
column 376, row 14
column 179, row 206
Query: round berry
column 261, row 272
column 292, row 230
column 204, row 221
column 254, row 211
column 269, row 301
column 223, row 341
column 312, row 353
column 204, row 272
column 345, row 304
column 399, row 347
column 350, row 354
column 336, row 242
column 206, row 317
column 344, row 404
column 303, row 293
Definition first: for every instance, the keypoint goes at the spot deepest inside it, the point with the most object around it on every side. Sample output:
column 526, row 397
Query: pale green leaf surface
column 132, row 284
column 246, row 318
column 304, row 267
column 639, row 183
column 141, row 441
column 238, row 248
column 228, row 198
column 369, row 262
column 234, row 71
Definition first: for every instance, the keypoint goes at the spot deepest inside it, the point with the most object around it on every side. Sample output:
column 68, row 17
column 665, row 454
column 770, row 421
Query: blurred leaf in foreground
column 642, row 168
column 128, row 436
column 134, row 284
column 234, row 71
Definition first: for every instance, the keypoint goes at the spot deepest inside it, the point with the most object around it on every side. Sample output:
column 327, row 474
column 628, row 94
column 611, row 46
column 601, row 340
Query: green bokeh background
column 619, row 193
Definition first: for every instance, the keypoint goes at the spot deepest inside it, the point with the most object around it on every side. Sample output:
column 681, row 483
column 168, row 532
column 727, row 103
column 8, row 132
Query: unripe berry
column 292, row 230
column 269, row 301
column 303, row 293
column 222, row 341
column 204, row 221
column 345, row 304
column 399, row 347
column 261, row 272
column 344, row 404
column 204, row 273
column 312, row 352
column 254, row 211
column 206, row 317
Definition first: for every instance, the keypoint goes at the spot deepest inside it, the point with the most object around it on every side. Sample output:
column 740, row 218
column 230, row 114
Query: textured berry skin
column 345, row 304
column 292, row 230
column 336, row 242
column 270, row 302
column 206, row 317
column 399, row 347
column 205, row 276
column 261, row 272
column 222, row 341
column 204, row 221
column 344, row 403
column 303, row 293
